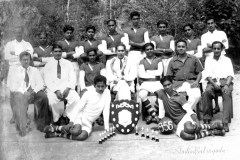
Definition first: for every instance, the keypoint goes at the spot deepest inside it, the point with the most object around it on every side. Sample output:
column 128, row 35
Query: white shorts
column 84, row 122
column 180, row 126
column 151, row 86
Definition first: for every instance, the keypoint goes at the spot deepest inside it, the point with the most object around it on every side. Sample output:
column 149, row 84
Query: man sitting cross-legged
column 91, row 105
column 175, row 106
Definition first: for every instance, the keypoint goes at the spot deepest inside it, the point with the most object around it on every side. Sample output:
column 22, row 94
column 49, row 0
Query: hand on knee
column 143, row 95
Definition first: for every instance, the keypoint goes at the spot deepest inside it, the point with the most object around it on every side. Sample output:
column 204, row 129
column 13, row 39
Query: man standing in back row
column 137, row 37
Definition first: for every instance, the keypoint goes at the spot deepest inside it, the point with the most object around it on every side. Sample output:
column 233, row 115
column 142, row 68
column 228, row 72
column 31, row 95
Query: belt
column 185, row 79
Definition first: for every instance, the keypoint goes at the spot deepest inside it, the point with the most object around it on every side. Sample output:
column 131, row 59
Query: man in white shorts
column 175, row 106
column 94, row 101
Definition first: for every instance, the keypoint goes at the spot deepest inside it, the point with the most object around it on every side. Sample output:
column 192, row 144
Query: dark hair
column 90, row 50
column 24, row 53
column 148, row 44
column 162, row 22
column 43, row 33
column 121, row 44
column 218, row 42
column 55, row 45
column 112, row 20
column 166, row 78
column 100, row 78
column 90, row 27
column 209, row 18
column 134, row 13
column 188, row 25
column 180, row 40
column 68, row 28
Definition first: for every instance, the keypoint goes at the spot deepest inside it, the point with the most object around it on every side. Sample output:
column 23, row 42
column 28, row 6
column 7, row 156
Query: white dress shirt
column 216, row 35
column 68, row 79
column 16, row 77
column 17, row 48
column 218, row 69
column 113, row 68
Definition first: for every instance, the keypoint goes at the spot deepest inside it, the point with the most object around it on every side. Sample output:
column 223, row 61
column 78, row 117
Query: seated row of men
column 26, row 84
column 123, row 69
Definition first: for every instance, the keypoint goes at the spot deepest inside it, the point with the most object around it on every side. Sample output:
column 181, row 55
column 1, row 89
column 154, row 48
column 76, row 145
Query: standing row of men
column 147, row 60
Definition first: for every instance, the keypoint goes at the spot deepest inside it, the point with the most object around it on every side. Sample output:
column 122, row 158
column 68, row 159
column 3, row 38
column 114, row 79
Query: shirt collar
column 212, row 32
column 18, row 41
column 175, row 58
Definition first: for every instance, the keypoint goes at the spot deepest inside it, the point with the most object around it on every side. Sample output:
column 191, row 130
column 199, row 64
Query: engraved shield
column 124, row 115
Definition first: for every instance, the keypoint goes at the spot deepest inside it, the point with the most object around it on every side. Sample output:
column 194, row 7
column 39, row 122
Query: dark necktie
column 58, row 70
column 121, row 64
column 26, row 79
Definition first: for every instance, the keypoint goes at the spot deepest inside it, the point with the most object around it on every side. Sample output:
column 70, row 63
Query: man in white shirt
column 13, row 49
column 117, row 78
column 26, row 86
column 95, row 101
column 59, row 77
column 219, row 73
column 212, row 35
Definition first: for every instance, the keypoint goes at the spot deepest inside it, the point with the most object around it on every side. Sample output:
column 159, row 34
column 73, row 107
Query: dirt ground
column 35, row 147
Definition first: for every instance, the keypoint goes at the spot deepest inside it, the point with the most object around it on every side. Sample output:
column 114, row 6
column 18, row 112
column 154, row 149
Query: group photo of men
column 116, row 79
column 73, row 82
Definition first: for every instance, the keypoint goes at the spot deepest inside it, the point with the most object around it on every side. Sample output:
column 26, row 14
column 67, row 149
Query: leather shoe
column 216, row 110
column 225, row 127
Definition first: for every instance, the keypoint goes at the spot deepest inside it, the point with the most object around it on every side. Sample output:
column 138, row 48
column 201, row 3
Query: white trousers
column 123, row 90
column 194, row 94
column 134, row 57
column 165, row 65
column 57, row 106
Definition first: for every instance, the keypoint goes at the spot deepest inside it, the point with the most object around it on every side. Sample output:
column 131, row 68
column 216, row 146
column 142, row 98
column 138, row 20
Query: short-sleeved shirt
column 113, row 40
column 163, row 43
column 173, row 105
column 137, row 37
column 90, row 45
column 193, row 44
column 187, row 71
column 91, row 73
column 68, row 46
column 150, row 66
column 43, row 52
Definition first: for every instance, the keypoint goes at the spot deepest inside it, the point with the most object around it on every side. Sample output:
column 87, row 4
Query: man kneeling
column 89, row 108
column 175, row 106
